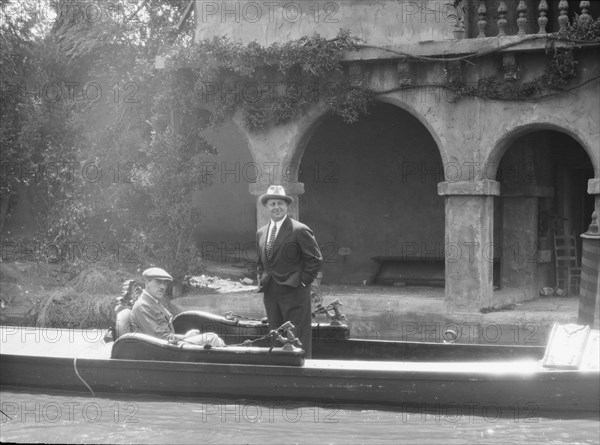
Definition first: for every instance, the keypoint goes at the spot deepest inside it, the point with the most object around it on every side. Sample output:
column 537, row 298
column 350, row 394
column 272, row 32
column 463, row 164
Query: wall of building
column 228, row 222
column 381, row 22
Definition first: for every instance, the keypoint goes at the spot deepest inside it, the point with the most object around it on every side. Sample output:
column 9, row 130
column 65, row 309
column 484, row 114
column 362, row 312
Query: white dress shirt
column 278, row 225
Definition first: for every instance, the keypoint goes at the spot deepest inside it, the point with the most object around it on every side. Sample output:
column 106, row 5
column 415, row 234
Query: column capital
column 486, row 187
column 594, row 186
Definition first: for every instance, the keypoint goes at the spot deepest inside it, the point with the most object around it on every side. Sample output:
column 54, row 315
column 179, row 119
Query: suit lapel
column 284, row 231
column 262, row 242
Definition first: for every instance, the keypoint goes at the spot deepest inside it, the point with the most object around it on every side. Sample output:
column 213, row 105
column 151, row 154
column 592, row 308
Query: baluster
column 584, row 18
column 543, row 20
column 563, row 18
column 482, row 11
column 502, row 10
column 522, row 20
column 405, row 74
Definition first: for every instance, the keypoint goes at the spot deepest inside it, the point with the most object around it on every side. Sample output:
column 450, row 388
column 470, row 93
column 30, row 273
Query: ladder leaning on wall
column 566, row 260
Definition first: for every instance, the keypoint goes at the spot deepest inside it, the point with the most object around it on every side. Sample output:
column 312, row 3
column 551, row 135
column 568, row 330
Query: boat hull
column 468, row 387
column 493, row 378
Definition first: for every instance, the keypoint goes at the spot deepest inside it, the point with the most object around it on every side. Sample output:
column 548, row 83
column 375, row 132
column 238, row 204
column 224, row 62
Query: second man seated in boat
column 149, row 315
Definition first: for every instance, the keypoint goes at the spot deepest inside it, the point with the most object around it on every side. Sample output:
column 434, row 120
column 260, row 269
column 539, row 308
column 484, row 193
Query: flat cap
column 158, row 273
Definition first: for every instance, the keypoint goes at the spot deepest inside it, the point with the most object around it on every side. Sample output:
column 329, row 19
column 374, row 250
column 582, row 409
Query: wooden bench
column 412, row 271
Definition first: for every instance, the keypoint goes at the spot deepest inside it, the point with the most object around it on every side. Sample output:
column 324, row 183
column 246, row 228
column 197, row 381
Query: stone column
column 519, row 259
column 589, row 290
column 469, row 243
column 276, row 154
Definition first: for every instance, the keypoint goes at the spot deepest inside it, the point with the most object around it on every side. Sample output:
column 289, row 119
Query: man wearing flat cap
column 289, row 259
column 149, row 315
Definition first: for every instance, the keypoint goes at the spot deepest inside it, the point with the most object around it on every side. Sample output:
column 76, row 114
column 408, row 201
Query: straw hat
column 275, row 192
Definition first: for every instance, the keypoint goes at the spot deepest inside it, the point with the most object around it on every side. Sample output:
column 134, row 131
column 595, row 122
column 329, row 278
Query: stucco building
column 470, row 188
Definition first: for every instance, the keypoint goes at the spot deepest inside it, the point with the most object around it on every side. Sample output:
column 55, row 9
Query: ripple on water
column 68, row 418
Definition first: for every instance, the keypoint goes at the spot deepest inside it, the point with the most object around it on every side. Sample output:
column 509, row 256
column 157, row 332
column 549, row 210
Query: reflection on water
column 66, row 418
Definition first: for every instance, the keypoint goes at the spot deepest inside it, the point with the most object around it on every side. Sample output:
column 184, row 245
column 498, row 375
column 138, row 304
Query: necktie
column 270, row 243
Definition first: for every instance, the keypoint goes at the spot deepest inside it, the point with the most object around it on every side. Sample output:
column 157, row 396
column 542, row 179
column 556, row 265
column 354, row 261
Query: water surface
column 61, row 417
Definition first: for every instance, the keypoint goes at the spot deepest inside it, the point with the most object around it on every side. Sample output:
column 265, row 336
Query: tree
column 124, row 175
column 16, row 54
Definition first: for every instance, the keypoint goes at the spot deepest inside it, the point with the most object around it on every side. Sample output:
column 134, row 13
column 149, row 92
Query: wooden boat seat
column 234, row 331
column 135, row 346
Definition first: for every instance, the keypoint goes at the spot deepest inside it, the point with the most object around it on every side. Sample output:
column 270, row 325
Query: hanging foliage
column 560, row 69
column 267, row 85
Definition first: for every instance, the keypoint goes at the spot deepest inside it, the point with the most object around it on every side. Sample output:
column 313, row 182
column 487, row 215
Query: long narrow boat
column 492, row 380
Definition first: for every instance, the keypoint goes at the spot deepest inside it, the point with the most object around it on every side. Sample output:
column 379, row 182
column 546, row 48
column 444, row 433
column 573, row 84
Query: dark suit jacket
column 296, row 255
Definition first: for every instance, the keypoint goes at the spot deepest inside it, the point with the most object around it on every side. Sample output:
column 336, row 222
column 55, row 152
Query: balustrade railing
column 488, row 18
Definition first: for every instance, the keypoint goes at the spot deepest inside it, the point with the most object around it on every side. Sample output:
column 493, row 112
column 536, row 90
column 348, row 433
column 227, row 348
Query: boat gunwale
column 305, row 371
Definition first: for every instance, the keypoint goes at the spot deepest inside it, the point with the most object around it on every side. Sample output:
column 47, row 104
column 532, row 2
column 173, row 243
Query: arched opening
column 544, row 175
column 371, row 191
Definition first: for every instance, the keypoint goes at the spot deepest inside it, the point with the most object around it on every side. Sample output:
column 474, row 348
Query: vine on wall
column 268, row 85
column 559, row 70
column 271, row 85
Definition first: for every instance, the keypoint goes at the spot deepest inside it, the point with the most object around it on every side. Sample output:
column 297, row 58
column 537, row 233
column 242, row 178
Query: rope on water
column 80, row 378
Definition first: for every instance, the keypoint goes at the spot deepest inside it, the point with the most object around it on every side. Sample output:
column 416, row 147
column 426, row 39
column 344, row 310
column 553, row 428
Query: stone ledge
column 445, row 48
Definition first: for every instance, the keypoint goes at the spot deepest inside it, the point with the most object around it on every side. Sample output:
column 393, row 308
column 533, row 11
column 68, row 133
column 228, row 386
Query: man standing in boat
column 149, row 315
column 288, row 261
